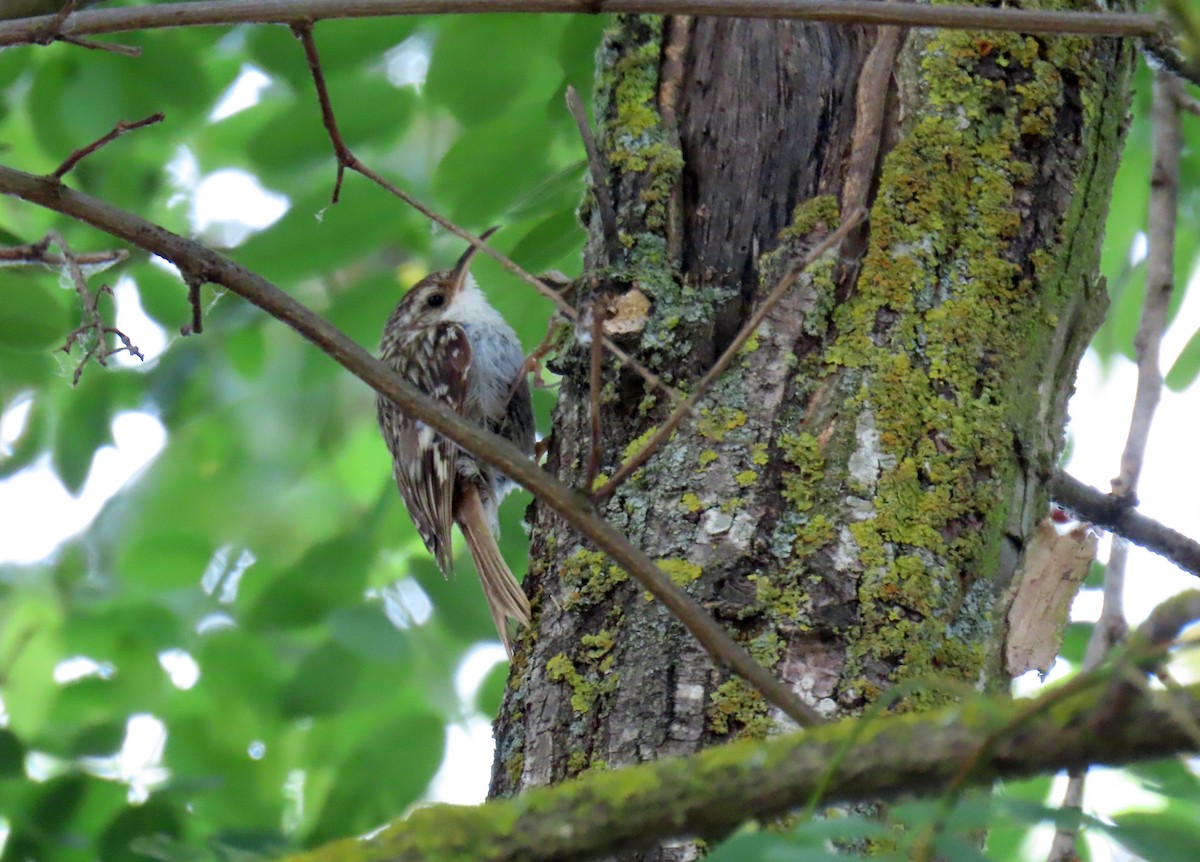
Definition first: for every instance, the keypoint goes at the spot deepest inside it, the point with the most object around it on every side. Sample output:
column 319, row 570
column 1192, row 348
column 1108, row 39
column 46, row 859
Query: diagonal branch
column 1117, row 515
column 122, row 127
column 575, row 509
column 215, row 12
column 710, row 793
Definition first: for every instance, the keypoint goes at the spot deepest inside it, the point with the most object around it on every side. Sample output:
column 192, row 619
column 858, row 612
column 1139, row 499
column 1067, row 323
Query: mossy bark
column 858, row 489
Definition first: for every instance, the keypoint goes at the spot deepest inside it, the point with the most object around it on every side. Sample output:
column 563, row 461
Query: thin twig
column 1117, row 515
column 778, row 292
column 574, row 508
column 37, row 254
column 348, row 161
column 51, row 31
column 868, row 12
column 53, row 28
column 608, row 212
column 594, row 383
column 92, row 322
column 122, row 127
column 194, row 282
column 1110, row 629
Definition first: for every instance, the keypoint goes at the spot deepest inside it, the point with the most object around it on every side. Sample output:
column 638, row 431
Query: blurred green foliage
column 316, row 714
column 266, row 540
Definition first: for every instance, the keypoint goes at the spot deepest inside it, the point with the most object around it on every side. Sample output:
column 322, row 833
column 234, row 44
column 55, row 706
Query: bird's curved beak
column 458, row 275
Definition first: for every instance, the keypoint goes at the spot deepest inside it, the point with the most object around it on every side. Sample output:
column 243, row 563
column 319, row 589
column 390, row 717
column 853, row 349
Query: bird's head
column 441, row 296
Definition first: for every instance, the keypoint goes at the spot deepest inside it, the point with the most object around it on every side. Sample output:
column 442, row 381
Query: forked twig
column 122, row 127
column 760, row 314
column 52, row 32
column 92, row 322
column 348, row 161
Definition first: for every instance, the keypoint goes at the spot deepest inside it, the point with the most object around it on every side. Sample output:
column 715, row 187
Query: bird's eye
column 437, row 300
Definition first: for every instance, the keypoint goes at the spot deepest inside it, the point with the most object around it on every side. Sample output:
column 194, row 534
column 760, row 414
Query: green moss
column 591, row 577
column 783, row 603
column 598, row 647
column 803, row 452
column 585, row 689
column 514, row 765
column 680, row 571
column 637, row 444
column 735, row 707
column 758, row 454
column 577, row 761
column 821, row 211
column 716, row 422
column 733, row 505
column 941, row 337
column 746, row 478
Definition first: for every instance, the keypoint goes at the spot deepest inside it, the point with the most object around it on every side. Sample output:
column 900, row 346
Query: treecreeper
column 446, row 339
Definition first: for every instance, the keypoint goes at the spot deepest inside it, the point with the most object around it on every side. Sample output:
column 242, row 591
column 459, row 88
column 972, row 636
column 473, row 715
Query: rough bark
column 855, row 498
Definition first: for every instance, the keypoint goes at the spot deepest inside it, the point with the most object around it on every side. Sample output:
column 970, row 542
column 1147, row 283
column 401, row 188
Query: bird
column 446, row 339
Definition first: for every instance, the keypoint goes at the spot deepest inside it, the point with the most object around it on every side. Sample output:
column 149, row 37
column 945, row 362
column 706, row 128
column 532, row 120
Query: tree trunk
column 854, row 499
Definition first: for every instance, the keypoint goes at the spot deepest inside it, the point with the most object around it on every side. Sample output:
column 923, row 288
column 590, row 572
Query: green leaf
column 1186, row 366
column 385, row 774
column 330, row 576
column 12, row 755
column 491, row 690
column 322, row 684
column 549, row 241
column 365, row 631
column 157, row 818
column 34, row 315
column 483, row 64
column 1171, row 835
column 491, row 167
column 86, row 425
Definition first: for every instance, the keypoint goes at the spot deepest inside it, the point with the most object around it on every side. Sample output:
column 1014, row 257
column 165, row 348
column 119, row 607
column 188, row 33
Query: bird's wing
column 425, row 461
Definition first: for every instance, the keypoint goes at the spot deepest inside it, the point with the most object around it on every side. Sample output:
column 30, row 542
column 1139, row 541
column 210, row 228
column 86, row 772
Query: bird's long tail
column 506, row 599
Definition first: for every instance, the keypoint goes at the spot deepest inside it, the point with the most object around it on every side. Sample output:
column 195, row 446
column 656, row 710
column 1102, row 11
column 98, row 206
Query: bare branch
column 217, row 12
column 712, row 792
column 38, row 254
column 52, row 31
column 575, row 509
column 608, row 212
column 778, row 292
column 121, row 128
column 1117, row 515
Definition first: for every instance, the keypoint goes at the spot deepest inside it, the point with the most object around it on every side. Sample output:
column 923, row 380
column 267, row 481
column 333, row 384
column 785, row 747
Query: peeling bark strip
column 862, row 482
